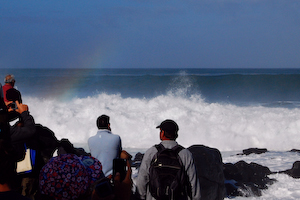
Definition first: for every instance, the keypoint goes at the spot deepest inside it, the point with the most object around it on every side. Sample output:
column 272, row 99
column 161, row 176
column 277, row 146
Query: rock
column 249, row 179
column 137, row 160
column 209, row 166
column 231, row 172
column 254, row 150
column 295, row 171
column 254, row 173
column 47, row 142
column 65, row 146
column 295, row 150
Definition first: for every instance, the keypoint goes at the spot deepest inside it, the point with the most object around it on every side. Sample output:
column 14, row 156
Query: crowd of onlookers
column 28, row 169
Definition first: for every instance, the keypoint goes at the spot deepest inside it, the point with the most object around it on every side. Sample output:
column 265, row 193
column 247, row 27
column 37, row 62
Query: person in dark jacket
column 23, row 129
column 22, row 135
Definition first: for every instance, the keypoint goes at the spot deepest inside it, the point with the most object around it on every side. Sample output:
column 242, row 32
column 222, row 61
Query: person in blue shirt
column 105, row 146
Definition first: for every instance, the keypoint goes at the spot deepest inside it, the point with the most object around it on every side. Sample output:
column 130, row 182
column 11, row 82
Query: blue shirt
column 105, row 146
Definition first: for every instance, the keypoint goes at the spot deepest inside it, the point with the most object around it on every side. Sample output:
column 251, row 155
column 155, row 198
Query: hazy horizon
column 150, row 34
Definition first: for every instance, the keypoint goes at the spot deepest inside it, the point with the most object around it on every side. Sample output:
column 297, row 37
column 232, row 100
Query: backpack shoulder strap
column 159, row 147
column 178, row 148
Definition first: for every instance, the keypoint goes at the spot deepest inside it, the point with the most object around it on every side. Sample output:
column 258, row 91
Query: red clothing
column 5, row 88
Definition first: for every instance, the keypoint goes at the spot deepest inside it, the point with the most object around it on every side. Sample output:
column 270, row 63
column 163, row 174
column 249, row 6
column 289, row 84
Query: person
column 105, row 146
column 23, row 135
column 13, row 94
column 9, row 81
column 8, row 173
column 122, row 190
column 168, row 135
column 24, row 129
column 4, row 118
column 68, row 176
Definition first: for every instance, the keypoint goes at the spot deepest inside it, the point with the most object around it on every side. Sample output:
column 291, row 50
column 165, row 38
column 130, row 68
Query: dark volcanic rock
column 295, row 171
column 254, row 150
column 137, row 160
column 295, row 150
column 254, row 173
column 231, row 172
column 47, row 142
column 249, row 179
column 65, row 146
column 209, row 166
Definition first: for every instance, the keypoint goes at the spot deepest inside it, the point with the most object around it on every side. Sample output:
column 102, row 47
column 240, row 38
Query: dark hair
column 13, row 95
column 102, row 121
column 172, row 135
column 7, row 164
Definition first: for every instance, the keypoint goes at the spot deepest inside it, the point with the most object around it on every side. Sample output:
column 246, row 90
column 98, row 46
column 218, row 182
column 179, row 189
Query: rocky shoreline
column 219, row 180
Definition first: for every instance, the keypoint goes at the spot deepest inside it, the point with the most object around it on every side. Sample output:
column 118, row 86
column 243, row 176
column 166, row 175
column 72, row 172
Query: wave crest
column 222, row 126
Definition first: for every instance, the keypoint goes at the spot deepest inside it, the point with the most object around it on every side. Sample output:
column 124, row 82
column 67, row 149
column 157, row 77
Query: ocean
column 227, row 109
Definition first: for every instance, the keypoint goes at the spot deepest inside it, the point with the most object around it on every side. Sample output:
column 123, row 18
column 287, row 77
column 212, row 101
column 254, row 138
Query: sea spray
column 223, row 126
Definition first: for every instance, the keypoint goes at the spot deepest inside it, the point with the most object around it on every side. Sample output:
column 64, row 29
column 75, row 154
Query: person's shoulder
column 186, row 153
column 92, row 138
column 151, row 151
column 152, row 148
column 114, row 135
column 5, row 86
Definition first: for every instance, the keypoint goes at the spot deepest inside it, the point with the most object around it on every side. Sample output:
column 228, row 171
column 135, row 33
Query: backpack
column 167, row 176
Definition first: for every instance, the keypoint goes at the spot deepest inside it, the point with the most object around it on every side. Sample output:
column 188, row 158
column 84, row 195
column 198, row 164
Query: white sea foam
column 223, row 126
column 286, row 187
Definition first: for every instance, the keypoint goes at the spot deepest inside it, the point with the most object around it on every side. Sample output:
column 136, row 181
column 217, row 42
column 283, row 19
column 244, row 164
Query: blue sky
column 150, row 34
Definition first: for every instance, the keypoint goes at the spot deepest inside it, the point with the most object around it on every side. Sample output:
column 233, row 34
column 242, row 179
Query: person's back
column 105, row 146
column 9, row 84
column 168, row 141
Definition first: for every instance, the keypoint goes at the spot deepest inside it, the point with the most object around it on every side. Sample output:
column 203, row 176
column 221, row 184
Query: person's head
column 10, row 79
column 103, row 122
column 7, row 164
column 169, row 129
column 13, row 95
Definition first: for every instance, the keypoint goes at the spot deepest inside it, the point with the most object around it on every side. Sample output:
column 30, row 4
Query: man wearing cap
column 168, row 134
column 105, row 146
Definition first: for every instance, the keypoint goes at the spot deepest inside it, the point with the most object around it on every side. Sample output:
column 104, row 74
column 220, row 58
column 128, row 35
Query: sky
column 150, row 34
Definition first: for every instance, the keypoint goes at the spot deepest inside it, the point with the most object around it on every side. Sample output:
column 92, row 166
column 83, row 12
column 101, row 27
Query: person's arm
column 190, row 168
column 27, row 129
column 143, row 175
column 123, row 190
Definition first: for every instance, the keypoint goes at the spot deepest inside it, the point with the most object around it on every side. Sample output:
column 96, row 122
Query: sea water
column 227, row 109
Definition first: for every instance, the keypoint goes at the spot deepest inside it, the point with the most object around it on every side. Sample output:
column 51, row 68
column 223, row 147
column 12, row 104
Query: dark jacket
column 21, row 135
column 25, row 132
